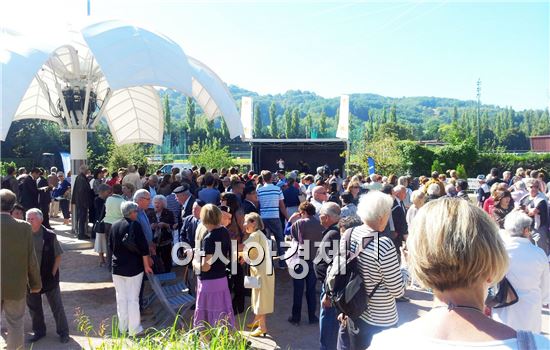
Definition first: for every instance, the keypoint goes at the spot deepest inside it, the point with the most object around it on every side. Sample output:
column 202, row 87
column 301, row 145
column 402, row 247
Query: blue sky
column 406, row 48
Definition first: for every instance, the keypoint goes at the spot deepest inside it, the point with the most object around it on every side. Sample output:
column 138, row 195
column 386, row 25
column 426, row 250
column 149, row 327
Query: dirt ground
column 87, row 287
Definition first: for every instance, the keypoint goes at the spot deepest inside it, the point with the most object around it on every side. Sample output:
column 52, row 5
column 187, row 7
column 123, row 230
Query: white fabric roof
column 212, row 95
column 127, row 60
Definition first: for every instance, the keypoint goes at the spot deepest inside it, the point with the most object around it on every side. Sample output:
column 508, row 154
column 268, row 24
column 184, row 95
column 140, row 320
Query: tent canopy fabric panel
column 212, row 95
column 130, row 56
column 135, row 115
column 19, row 63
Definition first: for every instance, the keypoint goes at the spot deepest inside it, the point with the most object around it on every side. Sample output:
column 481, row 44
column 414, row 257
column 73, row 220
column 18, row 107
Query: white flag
column 246, row 117
column 343, row 121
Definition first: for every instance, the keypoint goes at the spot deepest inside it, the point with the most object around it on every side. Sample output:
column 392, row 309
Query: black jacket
column 248, row 207
column 29, row 193
column 399, row 217
column 44, row 197
column 188, row 210
column 330, row 235
column 49, row 281
column 81, row 192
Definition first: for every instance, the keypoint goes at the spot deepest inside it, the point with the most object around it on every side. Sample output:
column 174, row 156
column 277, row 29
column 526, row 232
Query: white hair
column 35, row 211
column 373, row 206
column 140, row 194
column 433, row 190
column 331, row 209
column 127, row 207
column 399, row 188
column 160, row 198
column 403, row 181
column 516, row 222
column 418, row 197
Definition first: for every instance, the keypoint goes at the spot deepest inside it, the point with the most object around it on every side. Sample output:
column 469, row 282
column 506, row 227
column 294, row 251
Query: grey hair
column 160, row 198
column 83, row 168
column 516, row 222
column 60, row 173
column 53, row 170
column 399, row 188
column 373, row 206
column 35, row 211
column 403, row 181
column 331, row 209
column 127, row 207
column 450, row 188
column 433, row 190
column 153, row 177
column 140, row 194
column 506, row 173
column 520, row 185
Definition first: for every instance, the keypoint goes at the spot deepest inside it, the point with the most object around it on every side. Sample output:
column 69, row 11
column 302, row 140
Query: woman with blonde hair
column 213, row 303
column 261, row 267
column 455, row 249
column 354, row 187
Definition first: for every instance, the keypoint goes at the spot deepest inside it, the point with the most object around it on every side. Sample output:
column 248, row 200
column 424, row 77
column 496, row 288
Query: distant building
column 540, row 143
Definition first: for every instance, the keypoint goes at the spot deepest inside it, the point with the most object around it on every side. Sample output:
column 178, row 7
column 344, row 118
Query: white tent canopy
column 122, row 65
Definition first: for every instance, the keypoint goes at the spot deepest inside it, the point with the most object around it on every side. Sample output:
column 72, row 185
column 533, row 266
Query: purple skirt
column 213, row 303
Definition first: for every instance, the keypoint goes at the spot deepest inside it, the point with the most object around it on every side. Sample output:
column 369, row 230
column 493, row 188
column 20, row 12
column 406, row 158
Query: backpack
column 346, row 290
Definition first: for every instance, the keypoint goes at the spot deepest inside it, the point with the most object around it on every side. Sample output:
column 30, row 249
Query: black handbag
column 99, row 225
column 129, row 240
column 502, row 295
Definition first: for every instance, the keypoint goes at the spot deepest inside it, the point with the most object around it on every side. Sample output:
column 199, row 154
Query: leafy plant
column 210, row 155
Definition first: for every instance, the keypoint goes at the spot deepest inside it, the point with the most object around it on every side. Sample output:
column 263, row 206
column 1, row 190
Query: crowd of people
column 430, row 232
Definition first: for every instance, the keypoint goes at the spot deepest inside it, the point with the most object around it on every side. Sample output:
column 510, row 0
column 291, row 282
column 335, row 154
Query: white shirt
column 405, row 338
column 529, row 275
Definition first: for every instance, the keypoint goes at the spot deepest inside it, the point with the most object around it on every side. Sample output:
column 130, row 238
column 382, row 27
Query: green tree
column 436, row 166
column 308, row 125
column 287, row 116
column 210, row 154
column 397, row 130
column 295, row 124
column 273, row 130
column 224, row 130
column 100, row 146
column 383, row 117
column 322, row 124
column 257, row 133
column 515, row 140
column 393, row 114
column 454, row 116
column 210, row 129
column 461, row 171
column 190, row 115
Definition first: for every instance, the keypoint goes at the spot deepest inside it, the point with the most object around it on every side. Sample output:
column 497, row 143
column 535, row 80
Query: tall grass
column 171, row 338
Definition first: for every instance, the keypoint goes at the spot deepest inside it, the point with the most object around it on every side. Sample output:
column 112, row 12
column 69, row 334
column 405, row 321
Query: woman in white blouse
column 528, row 274
column 454, row 248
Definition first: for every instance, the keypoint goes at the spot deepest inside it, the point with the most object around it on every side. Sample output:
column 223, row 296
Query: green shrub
column 4, row 167
column 461, row 172
column 510, row 161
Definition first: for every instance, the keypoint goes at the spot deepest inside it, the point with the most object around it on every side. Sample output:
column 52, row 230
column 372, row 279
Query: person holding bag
column 130, row 260
column 263, row 297
column 162, row 220
column 100, row 245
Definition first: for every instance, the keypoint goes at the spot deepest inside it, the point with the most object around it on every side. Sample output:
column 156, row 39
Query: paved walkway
column 87, row 287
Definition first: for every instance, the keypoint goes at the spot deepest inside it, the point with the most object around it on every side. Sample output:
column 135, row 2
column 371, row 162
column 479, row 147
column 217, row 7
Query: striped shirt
column 378, row 263
column 269, row 196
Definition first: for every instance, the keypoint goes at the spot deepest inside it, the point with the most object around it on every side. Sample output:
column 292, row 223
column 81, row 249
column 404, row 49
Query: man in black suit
column 399, row 216
column 399, row 219
column 29, row 190
column 186, row 199
column 250, row 203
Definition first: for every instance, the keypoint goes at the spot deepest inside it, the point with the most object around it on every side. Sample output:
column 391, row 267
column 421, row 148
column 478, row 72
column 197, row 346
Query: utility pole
column 478, row 106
